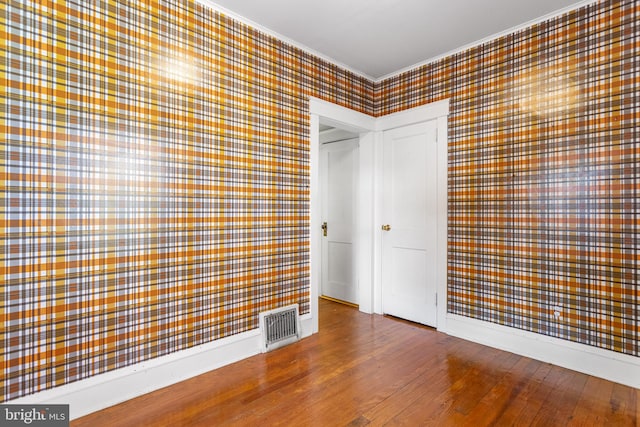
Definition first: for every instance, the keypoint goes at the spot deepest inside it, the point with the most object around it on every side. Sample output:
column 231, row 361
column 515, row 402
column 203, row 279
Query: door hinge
column 436, row 299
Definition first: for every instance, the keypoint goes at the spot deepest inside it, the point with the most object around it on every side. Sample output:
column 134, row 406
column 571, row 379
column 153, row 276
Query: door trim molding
column 367, row 236
column 364, row 125
column 420, row 114
column 341, row 117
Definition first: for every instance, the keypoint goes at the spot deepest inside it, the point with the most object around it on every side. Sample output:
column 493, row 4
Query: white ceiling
column 377, row 38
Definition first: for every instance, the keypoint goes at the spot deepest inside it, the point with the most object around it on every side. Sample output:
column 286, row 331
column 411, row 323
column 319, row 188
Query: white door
column 410, row 214
column 338, row 203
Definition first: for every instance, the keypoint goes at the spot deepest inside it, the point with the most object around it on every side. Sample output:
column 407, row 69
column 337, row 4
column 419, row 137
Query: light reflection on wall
column 547, row 93
column 177, row 68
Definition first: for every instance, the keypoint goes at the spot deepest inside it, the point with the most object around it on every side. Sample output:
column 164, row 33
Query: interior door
column 409, row 216
column 338, row 163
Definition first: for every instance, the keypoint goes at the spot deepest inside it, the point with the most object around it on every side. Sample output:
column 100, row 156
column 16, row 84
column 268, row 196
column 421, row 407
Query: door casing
column 367, row 235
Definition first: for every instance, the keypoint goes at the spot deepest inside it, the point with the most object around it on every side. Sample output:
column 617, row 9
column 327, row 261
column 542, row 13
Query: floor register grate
column 280, row 327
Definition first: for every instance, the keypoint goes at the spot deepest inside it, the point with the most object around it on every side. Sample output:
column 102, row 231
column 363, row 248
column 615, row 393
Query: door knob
column 386, row 227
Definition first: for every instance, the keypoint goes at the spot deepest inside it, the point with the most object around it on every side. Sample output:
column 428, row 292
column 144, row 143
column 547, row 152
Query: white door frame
column 367, row 235
column 364, row 125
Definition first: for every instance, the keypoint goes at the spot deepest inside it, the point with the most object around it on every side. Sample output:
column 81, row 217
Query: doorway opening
column 339, row 186
column 368, row 212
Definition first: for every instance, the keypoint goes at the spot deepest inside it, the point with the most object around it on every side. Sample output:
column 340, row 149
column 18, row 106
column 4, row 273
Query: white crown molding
column 263, row 29
column 255, row 25
column 468, row 46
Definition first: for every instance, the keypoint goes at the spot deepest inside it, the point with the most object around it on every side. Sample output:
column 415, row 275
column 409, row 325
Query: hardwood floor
column 374, row 370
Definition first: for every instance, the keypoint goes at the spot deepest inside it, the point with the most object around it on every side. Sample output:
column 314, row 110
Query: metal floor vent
column 280, row 327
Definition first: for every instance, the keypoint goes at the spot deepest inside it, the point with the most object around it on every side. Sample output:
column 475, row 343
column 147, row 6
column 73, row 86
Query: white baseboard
column 612, row 366
column 307, row 325
column 111, row 388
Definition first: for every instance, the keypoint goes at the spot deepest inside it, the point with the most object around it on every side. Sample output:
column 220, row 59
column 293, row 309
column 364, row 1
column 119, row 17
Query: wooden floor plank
column 623, row 407
column 536, row 401
column 561, row 399
column 452, row 402
column 529, row 387
column 491, row 407
column 372, row 370
column 426, row 386
column 592, row 407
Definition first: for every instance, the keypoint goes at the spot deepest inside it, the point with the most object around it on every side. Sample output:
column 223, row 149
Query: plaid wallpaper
column 543, row 174
column 154, row 181
column 154, row 163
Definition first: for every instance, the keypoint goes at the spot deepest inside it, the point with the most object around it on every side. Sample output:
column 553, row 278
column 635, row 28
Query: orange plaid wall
column 154, row 167
column 154, row 162
column 543, row 174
